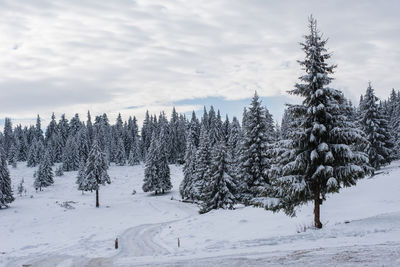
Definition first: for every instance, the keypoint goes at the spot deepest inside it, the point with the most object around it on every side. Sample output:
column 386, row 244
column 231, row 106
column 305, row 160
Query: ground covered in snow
column 361, row 227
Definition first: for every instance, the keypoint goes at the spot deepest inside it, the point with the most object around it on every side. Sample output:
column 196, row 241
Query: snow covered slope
column 361, row 227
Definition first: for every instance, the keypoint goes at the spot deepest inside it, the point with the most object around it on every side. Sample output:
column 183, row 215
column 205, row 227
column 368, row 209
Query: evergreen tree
column 181, row 139
column 71, row 157
column 254, row 159
column 35, row 153
column 83, row 143
column 31, row 159
column 164, row 179
column 157, row 173
column 57, row 145
column 74, row 125
column 220, row 191
column 150, row 181
column 90, row 130
column 189, row 168
column 233, row 148
column 13, row 156
column 226, row 128
column 8, row 136
column 202, row 164
column 44, row 175
column 63, row 130
column 120, row 157
column 215, row 131
column 375, row 126
column 6, row 195
column 38, row 130
column 21, row 143
column 96, row 171
column 51, row 128
column 146, row 134
column 323, row 155
column 80, row 179
column 174, row 139
column 135, row 154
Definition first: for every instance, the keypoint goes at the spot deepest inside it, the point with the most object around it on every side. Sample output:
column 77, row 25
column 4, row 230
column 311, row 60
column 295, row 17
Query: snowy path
column 138, row 241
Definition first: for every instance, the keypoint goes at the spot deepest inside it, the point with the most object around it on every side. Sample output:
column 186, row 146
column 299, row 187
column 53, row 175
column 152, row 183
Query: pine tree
column 375, row 126
column 233, row 148
column 80, row 179
column 323, row 155
column 71, row 155
column 74, row 125
column 202, row 164
column 35, row 153
column 89, row 127
column 21, row 143
column 31, row 159
column 51, row 128
column 226, row 128
column 120, row 157
column 150, row 181
column 181, row 139
column 44, row 175
column 83, row 142
column 164, row 178
column 38, row 130
column 254, row 159
column 189, row 167
column 8, row 136
column 173, row 142
column 57, row 146
column 215, row 131
column 220, row 191
column 96, row 171
column 13, row 156
column 135, row 154
column 146, row 134
column 63, row 130
column 6, row 195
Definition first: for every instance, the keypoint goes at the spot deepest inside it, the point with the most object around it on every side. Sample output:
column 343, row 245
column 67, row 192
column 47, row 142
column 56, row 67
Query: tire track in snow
column 139, row 240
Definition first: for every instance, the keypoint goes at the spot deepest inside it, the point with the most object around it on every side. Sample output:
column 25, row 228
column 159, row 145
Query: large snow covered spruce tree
column 323, row 155
column 96, row 171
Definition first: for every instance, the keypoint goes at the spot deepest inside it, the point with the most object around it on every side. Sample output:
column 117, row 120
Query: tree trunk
column 317, row 203
column 97, row 198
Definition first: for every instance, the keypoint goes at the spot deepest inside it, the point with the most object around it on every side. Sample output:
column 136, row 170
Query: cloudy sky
column 128, row 56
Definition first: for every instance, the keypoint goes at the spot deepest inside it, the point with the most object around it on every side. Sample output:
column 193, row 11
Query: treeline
column 321, row 145
column 69, row 142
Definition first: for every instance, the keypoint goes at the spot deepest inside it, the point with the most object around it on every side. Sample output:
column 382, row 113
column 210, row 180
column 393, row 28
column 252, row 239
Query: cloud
column 71, row 56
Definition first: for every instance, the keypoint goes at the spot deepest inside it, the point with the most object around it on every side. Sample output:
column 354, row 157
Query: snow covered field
column 361, row 227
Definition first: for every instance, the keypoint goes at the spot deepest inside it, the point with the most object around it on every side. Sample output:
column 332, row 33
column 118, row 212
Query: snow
column 361, row 226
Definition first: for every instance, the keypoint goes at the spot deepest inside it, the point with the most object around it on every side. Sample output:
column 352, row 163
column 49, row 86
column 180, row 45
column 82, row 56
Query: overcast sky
column 128, row 56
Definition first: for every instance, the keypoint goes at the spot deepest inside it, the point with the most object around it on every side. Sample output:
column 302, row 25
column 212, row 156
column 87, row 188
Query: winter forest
column 323, row 144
